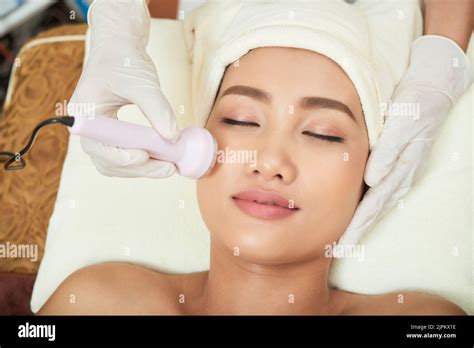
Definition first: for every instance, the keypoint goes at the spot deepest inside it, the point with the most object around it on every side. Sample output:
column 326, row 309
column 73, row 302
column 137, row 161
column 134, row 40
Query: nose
column 273, row 162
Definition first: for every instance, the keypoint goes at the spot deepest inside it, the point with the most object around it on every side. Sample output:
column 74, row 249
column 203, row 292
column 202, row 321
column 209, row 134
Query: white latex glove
column 120, row 72
column 439, row 73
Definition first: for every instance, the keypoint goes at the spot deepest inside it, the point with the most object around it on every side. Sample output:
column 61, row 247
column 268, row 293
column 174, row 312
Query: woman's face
column 309, row 151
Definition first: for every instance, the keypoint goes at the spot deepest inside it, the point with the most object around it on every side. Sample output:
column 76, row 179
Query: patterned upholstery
column 44, row 80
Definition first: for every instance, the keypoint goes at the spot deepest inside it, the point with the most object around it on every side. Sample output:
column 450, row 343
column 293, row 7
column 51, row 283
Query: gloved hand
column 118, row 72
column 439, row 73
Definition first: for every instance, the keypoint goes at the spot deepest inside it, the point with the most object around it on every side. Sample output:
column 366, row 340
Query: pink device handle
column 193, row 154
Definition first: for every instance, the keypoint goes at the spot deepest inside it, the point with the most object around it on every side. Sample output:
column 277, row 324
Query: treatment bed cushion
column 425, row 243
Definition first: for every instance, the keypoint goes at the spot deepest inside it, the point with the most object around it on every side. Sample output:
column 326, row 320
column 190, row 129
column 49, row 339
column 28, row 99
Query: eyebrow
column 305, row 102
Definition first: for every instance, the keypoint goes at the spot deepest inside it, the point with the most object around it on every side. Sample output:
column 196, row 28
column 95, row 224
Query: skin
column 281, row 266
column 452, row 19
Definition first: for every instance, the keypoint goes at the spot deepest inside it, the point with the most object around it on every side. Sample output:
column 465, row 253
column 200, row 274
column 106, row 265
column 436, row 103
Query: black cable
column 13, row 157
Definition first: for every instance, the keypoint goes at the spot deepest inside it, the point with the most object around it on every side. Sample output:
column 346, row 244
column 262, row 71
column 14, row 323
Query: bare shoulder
column 404, row 303
column 115, row 288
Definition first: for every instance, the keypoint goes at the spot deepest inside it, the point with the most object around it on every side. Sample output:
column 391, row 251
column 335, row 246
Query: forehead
column 290, row 73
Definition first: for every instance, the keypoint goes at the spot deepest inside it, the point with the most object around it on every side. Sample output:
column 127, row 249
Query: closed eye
column 238, row 123
column 329, row 138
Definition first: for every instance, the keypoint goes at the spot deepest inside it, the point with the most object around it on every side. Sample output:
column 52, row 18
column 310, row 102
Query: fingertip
column 133, row 157
column 161, row 116
column 168, row 170
column 379, row 164
column 155, row 169
column 373, row 172
column 169, row 129
column 372, row 178
column 161, row 170
column 173, row 135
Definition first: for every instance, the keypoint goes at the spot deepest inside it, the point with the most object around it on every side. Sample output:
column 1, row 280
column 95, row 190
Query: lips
column 265, row 205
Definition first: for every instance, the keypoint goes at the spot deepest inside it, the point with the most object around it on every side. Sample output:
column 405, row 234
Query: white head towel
column 220, row 32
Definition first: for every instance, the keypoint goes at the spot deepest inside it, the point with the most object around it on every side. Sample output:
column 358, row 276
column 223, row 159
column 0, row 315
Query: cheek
column 205, row 189
column 213, row 194
column 332, row 184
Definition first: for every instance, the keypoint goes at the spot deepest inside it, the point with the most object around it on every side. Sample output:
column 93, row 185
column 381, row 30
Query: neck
column 236, row 286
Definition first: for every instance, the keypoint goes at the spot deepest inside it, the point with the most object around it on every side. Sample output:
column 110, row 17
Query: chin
column 265, row 244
